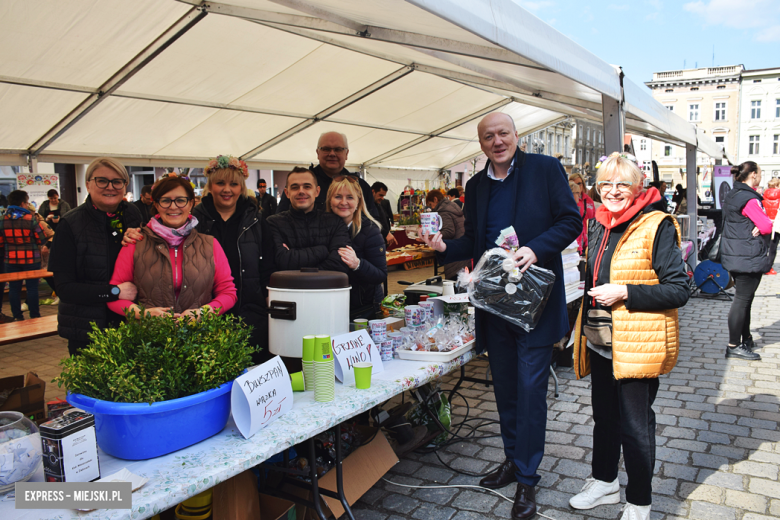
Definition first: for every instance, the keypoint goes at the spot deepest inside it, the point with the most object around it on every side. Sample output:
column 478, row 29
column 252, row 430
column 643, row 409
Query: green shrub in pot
column 159, row 358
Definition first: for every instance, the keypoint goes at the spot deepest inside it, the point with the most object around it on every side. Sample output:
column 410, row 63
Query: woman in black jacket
column 746, row 253
column 84, row 252
column 366, row 257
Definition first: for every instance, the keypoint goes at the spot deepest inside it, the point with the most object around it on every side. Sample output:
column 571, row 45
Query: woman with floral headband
column 227, row 214
column 174, row 268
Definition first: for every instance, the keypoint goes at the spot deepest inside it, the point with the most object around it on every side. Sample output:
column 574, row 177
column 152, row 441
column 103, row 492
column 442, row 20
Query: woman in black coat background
column 366, row 257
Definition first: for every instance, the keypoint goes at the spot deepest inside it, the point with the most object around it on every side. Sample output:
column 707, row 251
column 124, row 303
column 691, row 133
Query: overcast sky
column 646, row 36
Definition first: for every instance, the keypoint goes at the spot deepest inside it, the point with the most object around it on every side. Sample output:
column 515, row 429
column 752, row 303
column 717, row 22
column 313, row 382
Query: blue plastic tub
column 138, row 431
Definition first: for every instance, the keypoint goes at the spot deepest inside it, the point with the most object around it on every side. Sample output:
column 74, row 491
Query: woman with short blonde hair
column 627, row 331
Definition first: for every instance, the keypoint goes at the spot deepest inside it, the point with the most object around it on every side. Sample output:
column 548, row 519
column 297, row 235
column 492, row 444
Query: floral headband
column 174, row 174
column 224, row 162
column 626, row 156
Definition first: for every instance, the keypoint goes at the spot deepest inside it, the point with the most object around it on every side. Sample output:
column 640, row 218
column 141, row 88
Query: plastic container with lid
column 306, row 302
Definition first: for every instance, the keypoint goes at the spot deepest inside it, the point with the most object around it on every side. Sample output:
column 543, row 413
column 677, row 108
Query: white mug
column 430, row 223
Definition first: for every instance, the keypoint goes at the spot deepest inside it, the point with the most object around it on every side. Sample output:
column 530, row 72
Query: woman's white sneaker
column 596, row 493
column 632, row 512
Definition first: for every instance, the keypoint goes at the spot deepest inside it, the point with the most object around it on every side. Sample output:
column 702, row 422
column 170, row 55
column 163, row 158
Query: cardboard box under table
column 360, row 470
column 27, row 396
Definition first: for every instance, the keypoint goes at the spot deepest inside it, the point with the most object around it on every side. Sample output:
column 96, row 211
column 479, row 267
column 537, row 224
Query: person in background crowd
column 452, row 226
column 629, row 241
column 174, row 268
column 379, row 190
column 265, row 200
column 506, row 193
column 53, row 209
column 587, row 209
column 3, row 317
column 243, row 234
column 303, row 235
column 332, row 153
column 48, row 238
column 84, row 251
column 21, row 238
column 771, row 203
column 454, row 196
column 746, row 252
column 197, row 199
column 462, row 192
column 144, row 204
column 366, row 258
column 593, row 193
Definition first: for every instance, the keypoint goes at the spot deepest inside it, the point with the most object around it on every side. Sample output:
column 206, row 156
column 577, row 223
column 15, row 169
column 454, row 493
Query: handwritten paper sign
column 439, row 301
column 351, row 348
column 260, row 396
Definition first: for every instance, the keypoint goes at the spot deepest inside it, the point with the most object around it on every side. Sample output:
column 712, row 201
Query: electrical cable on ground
column 463, row 486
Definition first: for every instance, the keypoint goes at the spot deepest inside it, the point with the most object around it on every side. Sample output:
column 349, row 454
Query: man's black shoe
column 525, row 502
column 503, row 476
column 741, row 352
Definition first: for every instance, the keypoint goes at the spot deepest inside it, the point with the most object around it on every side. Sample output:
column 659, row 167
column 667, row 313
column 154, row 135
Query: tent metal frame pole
column 439, row 131
column 691, row 195
column 162, row 42
column 614, row 125
column 344, row 103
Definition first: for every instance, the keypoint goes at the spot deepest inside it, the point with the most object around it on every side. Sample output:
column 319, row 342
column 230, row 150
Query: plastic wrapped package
column 498, row 287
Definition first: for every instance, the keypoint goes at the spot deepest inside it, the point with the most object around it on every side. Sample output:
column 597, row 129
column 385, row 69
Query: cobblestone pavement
column 717, row 439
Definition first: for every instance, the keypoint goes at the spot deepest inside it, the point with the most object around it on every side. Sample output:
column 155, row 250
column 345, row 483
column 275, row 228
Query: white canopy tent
column 173, row 83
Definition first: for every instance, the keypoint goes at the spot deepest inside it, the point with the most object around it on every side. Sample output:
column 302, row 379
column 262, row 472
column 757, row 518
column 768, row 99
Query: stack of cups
column 413, row 315
column 308, row 361
column 397, row 338
column 426, row 308
column 378, row 331
column 324, row 370
column 386, row 350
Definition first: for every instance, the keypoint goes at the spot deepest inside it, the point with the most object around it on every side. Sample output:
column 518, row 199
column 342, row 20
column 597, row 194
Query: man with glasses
column 266, row 201
column 144, row 204
column 332, row 153
column 531, row 193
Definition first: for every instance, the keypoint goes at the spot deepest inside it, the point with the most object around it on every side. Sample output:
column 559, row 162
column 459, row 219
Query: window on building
column 753, row 145
column 549, row 144
column 557, row 144
column 600, row 137
column 587, row 134
column 643, row 144
column 756, row 81
column 721, row 87
column 669, row 90
column 755, row 110
column 776, row 144
column 587, row 156
column 670, row 108
column 693, row 112
column 777, row 108
column 720, row 111
column 694, row 89
column 667, row 151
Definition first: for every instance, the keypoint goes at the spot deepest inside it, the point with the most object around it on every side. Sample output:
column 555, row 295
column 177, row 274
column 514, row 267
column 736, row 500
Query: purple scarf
column 173, row 237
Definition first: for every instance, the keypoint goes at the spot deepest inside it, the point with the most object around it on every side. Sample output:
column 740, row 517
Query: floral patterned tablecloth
column 174, row 478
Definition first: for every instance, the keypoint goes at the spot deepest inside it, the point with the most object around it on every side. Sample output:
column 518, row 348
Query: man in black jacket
column 144, row 204
column 266, row 201
column 379, row 190
column 305, row 236
column 332, row 153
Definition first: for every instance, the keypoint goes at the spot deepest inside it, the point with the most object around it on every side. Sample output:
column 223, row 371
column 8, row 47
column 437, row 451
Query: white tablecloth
column 174, row 478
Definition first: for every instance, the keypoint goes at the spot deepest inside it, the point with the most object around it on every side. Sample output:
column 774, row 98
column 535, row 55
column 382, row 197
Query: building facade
column 707, row 97
column 759, row 121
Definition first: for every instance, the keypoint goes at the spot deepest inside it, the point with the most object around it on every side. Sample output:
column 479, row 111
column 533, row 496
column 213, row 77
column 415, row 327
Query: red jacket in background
column 771, row 202
column 587, row 212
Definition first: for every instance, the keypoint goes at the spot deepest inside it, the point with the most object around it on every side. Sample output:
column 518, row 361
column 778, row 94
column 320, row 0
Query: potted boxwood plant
column 158, row 384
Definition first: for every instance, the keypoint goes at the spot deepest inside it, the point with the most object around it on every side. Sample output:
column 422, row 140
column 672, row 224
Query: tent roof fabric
column 172, row 82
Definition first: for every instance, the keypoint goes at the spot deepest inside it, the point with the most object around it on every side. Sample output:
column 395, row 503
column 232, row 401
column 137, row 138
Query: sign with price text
column 260, row 396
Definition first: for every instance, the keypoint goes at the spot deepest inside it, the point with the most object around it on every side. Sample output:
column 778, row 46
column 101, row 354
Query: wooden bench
column 28, row 329
column 25, row 275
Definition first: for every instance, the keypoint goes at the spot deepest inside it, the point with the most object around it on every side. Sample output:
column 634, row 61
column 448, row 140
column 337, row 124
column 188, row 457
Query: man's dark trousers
column 520, row 375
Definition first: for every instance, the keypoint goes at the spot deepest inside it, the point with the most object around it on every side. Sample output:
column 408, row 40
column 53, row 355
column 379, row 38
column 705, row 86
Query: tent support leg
column 691, row 195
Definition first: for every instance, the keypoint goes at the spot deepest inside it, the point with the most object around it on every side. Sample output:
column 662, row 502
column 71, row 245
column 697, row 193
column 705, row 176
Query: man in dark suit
column 332, row 153
column 379, row 190
column 144, row 204
column 531, row 193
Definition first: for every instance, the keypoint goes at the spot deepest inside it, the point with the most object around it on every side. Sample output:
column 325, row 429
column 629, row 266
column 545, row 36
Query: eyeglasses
column 328, row 149
column 609, row 185
column 102, row 182
column 180, row 202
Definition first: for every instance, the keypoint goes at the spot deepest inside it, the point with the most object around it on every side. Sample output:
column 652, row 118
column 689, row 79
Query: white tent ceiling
column 176, row 82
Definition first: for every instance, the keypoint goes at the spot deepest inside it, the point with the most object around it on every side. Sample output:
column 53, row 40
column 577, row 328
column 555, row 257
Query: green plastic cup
column 298, row 382
column 308, row 348
column 361, row 323
column 322, row 348
column 362, row 375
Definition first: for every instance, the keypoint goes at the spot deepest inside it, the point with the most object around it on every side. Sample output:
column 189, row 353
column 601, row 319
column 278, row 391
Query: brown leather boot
column 503, row 476
column 525, row 502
